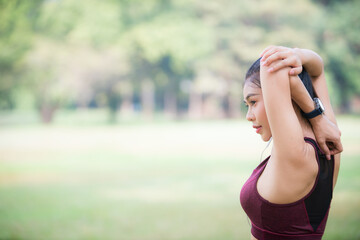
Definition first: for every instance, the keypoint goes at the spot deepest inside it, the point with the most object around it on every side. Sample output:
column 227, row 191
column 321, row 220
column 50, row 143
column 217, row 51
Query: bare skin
column 282, row 181
column 324, row 126
column 292, row 169
column 279, row 57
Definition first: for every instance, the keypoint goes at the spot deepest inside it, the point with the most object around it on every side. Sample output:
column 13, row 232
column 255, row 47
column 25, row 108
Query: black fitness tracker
column 319, row 109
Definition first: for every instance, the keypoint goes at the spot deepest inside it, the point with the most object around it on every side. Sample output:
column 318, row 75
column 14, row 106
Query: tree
column 339, row 41
column 77, row 51
column 164, row 45
column 17, row 19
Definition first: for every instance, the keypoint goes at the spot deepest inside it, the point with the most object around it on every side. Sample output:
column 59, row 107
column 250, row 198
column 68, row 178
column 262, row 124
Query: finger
column 295, row 71
column 337, row 148
column 276, row 50
column 334, row 151
column 279, row 64
column 266, row 49
column 325, row 150
column 269, row 52
column 274, row 57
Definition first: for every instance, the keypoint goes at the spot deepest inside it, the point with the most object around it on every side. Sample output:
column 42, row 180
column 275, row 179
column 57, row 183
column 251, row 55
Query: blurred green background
column 123, row 119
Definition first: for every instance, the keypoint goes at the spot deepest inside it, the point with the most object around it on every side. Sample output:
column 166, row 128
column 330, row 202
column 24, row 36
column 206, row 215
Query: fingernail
column 270, row 69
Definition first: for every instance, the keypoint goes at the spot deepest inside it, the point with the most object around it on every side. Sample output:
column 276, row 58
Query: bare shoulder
column 284, row 182
column 304, row 162
column 299, row 174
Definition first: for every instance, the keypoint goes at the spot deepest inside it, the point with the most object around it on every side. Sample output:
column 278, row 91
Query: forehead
column 250, row 88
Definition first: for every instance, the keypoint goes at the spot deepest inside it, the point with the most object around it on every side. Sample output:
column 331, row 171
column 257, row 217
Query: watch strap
column 313, row 113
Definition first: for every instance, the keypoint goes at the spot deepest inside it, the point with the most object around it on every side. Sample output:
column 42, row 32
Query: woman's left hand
column 327, row 135
column 279, row 57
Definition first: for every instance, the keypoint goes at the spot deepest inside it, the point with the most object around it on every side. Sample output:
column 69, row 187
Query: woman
column 288, row 195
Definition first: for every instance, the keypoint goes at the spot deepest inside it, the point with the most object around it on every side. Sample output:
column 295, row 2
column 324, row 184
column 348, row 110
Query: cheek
column 263, row 117
column 261, row 112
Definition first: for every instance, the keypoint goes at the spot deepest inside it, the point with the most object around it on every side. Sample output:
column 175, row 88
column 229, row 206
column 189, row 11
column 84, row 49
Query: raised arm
column 285, row 127
column 326, row 132
column 324, row 129
column 328, row 136
column 296, row 59
column 313, row 64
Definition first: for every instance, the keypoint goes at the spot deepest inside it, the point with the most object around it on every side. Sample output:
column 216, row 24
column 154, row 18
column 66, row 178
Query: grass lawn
column 150, row 181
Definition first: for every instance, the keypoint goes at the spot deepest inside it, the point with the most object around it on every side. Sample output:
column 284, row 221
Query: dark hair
column 253, row 75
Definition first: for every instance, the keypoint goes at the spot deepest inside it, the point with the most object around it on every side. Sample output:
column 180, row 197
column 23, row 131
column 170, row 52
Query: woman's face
column 256, row 114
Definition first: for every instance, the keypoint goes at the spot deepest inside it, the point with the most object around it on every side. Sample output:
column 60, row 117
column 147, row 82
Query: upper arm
column 286, row 130
column 314, row 65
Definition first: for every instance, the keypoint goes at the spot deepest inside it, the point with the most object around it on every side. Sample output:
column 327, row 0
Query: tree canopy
column 186, row 58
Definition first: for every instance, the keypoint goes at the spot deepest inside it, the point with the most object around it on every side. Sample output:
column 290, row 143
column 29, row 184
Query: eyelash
column 251, row 103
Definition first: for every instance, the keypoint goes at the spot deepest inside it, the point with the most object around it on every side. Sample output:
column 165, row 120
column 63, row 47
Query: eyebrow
column 250, row 95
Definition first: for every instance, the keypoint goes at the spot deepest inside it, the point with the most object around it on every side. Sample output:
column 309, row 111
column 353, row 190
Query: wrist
column 316, row 120
column 319, row 109
column 311, row 61
column 299, row 52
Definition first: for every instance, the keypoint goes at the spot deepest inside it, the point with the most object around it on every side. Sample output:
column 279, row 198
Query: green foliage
column 16, row 23
column 98, row 45
column 338, row 38
column 94, row 23
column 183, row 38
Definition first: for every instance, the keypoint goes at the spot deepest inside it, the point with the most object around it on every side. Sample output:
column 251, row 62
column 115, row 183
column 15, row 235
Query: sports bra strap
column 315, row 145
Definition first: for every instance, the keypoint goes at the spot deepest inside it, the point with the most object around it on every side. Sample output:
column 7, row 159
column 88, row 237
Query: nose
column 249, row 115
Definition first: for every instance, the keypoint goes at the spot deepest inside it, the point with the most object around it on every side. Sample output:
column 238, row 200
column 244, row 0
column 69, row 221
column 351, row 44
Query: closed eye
column 251, row 103
column 246, row 105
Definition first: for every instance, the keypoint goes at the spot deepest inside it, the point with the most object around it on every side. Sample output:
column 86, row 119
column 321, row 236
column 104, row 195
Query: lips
column 258, row 128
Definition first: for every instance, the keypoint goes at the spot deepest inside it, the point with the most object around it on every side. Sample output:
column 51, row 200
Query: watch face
column 319, row 103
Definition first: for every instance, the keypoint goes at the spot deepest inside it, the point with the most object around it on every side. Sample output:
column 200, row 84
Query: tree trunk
column 211, row 107
column 195, row 103
column 232, row 99
column 342, row 84
column 344, row 99
column 234, row 106
column 170, row 103
column 147, row 98
column 127, row 106
column 47, row 113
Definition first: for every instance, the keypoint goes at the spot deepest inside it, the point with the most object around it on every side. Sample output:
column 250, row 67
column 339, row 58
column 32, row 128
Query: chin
column 266, row 137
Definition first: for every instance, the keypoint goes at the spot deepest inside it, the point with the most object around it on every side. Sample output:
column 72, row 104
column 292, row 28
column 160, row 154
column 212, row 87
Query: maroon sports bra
column 304, row 219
